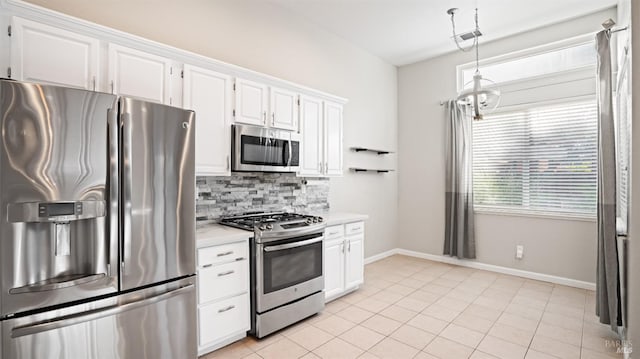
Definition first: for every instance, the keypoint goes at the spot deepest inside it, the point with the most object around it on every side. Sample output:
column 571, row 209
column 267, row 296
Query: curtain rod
column 620, row 29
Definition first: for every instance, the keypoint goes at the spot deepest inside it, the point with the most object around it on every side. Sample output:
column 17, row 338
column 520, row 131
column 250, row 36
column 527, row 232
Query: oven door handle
column 280, row 247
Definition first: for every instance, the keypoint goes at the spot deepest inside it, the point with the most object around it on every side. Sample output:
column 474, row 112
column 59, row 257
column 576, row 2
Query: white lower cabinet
column 343, row 259
column 223, row 295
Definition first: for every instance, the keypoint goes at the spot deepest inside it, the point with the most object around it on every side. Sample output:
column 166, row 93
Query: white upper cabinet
column 209, row 93
column 47, row 54
column 251, row 102
column 284, row 109
column 139, row 74
column 311, row 130
column 333, row 139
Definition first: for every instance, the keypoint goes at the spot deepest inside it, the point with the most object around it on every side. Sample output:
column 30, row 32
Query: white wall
column 265, row 38
column 634, row 229
column 565, row 248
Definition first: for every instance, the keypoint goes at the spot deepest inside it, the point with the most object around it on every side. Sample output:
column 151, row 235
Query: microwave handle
column 290, row 154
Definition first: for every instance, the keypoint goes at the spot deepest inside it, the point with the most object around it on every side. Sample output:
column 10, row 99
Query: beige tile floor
column 414, row 308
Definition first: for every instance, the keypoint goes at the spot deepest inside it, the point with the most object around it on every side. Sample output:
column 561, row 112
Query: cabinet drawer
column 223, row 318
column 223, row 253
column 354, row 228
column 223, row 280
column 333, row 232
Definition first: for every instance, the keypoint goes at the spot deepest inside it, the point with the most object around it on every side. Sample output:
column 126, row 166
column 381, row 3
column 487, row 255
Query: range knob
column 320, row 219
column 309, row 220
column 269, row 226
column 262, row 227
column 315, row 219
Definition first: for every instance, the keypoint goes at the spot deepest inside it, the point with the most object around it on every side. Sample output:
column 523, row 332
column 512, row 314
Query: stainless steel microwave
column 261, row 149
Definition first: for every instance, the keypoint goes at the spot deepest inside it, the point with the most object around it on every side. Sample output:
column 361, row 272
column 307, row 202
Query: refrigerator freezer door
column 57, row 225
column 154, row 323
column 158, row 193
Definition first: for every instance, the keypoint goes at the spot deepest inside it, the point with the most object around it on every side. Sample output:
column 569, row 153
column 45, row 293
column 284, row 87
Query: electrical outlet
column 519, row 251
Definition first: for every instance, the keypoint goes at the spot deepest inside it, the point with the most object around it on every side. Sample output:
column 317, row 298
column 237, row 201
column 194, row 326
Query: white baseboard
column 380, row 256
column 483, row 266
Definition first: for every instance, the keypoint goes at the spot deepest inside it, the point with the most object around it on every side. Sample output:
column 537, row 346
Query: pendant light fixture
column 478, row 96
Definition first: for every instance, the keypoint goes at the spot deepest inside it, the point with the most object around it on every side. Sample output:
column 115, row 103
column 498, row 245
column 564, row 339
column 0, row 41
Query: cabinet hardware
column 225, row 254
column 332, row 233
column 264, row 117
column 320, row 167
column 170, row 101
column 234, row 112
column 234, row 87
column 94, row 83
column 181, row 74
column 207, row 265
column 9, row 30
column 326, row 167
column 228, row 162
column 273, row 119
column 240, row 259
column 111, row 86
column 8, row 72
column 349, row 249
column 226, row 273
column 342, row 245
column 226, row 309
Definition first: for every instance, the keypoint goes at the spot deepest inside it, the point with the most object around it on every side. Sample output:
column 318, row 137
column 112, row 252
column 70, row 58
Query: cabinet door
column 251, row 102
column 334, row 268
column 208, row 93
column 284, row 109
column 311, row 130
column 333, row 139
column 47, row 54
column 354, row 268
column 139, row 74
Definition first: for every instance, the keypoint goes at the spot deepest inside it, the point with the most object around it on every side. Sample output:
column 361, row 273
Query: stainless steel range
column 287, row 270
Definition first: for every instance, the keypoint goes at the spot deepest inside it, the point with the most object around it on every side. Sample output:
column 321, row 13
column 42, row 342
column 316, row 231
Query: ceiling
column 406, row 31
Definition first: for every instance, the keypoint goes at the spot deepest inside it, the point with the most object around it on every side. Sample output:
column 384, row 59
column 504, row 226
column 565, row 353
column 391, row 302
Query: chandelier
column 478, row 96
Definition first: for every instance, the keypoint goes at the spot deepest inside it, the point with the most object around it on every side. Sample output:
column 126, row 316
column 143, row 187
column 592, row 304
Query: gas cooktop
column 276, row 224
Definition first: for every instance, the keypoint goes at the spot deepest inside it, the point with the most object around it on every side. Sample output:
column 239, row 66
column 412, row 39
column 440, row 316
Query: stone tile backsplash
column 247, row 192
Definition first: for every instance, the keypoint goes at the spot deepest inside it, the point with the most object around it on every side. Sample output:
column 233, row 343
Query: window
column 545, row 61
column 539, row 159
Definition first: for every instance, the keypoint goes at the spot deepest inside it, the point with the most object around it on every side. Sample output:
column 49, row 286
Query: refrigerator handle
column 113, row 130
column 125, row 248
column 82, row 317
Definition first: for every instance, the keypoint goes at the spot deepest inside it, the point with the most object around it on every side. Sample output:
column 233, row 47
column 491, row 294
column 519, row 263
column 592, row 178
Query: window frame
column 538, row 83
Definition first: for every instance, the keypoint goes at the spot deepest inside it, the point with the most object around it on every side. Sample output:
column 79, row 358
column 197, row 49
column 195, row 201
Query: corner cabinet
column 209, row 94
column 47, row 54
column 343, row 259
column 321, row 129
column 139, row 74
column 223, row 295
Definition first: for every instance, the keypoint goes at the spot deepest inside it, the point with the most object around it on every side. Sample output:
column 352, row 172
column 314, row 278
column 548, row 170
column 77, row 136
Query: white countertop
column 213, row 234
column 335, row 218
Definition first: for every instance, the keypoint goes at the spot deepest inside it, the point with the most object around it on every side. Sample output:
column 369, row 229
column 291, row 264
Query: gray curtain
column 459, row 238
column 608, row 306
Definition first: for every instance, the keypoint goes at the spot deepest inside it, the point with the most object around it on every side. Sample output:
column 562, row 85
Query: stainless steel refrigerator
column 97, row 226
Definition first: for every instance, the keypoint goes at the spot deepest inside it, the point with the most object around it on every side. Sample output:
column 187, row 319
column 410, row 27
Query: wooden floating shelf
column 357, row 169
column 363, row 149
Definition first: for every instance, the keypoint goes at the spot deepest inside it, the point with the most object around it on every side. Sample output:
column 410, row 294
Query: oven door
column 288, row 270
column 262, row 149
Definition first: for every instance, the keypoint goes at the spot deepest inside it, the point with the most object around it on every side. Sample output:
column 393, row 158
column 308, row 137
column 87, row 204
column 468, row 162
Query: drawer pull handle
column 226, row 309
column 240, row 259
column 333, row 233
column 226, row 273
column 207, row 265
column 225, row 254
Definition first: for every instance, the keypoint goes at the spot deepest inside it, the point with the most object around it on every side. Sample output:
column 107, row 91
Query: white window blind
column 542, row 159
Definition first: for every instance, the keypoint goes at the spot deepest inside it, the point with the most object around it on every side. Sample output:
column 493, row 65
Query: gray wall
column 263, row 37
column 560, row 247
